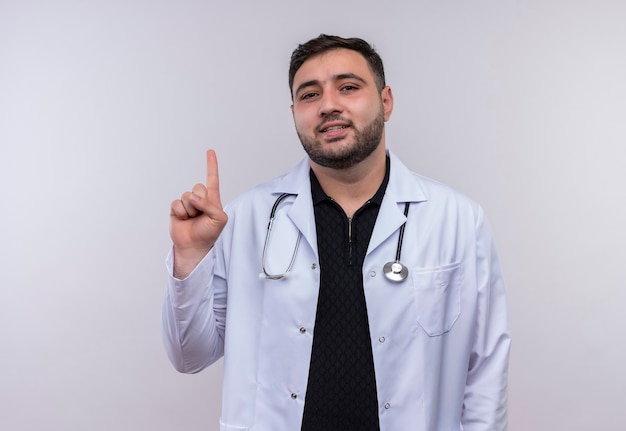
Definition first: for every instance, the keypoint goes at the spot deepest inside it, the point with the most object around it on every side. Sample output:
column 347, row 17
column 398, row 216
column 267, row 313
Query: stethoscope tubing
column 266, row 274
column 394, row 271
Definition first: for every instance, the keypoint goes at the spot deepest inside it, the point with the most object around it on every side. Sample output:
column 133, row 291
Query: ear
column 386, row 97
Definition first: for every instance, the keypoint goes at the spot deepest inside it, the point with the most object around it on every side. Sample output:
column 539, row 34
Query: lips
column 333, row 126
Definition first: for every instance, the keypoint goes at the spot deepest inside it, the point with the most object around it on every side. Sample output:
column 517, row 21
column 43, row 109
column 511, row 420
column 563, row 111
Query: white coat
column 440, row 339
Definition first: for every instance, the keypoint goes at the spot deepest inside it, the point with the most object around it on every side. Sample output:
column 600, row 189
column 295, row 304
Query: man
column 380, row 303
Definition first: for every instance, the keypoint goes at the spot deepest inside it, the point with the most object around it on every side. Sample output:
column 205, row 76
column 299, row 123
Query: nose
column 329, row 104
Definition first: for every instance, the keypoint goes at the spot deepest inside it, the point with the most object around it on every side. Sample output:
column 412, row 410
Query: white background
column 107, row 107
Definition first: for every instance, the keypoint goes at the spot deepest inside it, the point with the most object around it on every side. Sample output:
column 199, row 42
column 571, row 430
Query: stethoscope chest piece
column 395, row 271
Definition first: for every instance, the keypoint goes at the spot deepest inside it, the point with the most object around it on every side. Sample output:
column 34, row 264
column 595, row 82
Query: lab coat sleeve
column 194, row 315
column 485, row 401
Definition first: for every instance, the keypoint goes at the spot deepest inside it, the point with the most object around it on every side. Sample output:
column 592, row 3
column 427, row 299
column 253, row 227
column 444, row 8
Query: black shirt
column 341, row 390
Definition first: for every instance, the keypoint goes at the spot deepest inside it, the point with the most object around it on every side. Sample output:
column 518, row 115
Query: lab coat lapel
column 402, row 187
column 301, row 212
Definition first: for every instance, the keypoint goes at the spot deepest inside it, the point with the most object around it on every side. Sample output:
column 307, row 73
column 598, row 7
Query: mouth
column 333, row 128
column 334, row 132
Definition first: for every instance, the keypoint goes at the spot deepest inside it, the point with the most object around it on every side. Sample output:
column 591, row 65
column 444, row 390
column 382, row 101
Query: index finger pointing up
column 212, row 178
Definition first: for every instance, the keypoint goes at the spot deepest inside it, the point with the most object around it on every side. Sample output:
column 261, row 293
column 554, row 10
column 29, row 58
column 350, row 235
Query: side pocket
column 438, row 297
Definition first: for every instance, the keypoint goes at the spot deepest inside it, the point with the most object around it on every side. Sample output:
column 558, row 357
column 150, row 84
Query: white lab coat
column 440, row 339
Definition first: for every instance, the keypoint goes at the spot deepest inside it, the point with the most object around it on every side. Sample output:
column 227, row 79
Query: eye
column 349, row 88
column 309, row 95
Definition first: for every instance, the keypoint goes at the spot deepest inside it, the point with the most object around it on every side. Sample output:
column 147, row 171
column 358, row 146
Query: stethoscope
column 266, row 274
column 394, row 271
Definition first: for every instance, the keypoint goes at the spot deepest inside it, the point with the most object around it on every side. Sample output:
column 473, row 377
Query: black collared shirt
column 341, row 391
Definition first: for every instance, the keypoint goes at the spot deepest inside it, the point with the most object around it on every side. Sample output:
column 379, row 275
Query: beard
column 365, row 142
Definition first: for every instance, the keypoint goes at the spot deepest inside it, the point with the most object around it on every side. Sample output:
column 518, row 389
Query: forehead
column 325, row 66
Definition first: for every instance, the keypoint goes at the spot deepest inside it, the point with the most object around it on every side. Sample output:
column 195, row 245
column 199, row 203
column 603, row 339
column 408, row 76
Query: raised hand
column 196, row 220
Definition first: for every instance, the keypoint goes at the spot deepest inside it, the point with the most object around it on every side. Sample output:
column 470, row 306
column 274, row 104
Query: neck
column 352, row 187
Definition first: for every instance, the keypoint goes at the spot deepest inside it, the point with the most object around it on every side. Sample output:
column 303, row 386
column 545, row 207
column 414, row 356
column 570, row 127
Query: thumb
column 210, row 208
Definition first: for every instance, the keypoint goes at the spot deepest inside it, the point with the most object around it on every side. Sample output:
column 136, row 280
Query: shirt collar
column 319, row 195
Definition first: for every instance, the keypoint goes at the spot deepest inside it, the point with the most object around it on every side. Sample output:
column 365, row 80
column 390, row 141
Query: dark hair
column 324, row 43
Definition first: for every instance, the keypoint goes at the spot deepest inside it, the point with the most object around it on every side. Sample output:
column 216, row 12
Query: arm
column 194, row 309
column 485, row 404
column 194, row 316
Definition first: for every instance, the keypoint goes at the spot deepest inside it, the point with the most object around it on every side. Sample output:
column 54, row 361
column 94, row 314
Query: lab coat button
column 314, row 266
column 294, row 396
column 372, row 273
column 387, row 406
column 381, row 339
column 302, row 330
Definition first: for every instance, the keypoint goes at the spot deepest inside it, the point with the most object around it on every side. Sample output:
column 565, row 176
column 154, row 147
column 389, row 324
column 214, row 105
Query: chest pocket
column 438, row 297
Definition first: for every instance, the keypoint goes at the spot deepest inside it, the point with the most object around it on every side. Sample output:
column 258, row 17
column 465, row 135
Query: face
column 337, row 109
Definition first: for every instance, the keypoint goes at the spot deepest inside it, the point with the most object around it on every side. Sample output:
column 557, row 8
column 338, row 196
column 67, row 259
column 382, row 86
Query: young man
column 380, row 303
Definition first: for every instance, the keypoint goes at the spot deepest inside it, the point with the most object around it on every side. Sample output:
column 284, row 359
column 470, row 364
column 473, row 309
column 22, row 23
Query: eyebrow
column 335, row 78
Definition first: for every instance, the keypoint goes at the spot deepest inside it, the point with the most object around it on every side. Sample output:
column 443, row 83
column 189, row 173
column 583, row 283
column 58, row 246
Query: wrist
column 186, row 260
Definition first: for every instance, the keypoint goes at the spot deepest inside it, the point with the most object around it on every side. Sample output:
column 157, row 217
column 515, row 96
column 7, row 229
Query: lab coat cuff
column 182, row 291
